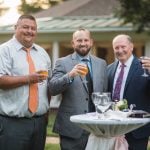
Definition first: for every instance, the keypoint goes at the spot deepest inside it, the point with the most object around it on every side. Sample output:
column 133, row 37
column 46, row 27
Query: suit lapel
column 112, row 74
column 94, row 71
column 132, row 71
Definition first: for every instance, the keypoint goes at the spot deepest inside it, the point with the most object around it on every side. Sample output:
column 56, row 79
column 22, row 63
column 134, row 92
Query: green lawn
column 52, row 147
column 52, row 116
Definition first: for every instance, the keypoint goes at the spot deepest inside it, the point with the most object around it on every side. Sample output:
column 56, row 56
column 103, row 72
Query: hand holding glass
column 83, row 70
column 144, row 74
column 43, row 71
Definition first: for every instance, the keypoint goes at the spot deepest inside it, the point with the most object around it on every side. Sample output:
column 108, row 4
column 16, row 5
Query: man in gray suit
column 76, row 94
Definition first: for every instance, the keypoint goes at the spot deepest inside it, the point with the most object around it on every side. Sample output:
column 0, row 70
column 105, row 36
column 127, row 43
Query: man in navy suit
column 135, row 88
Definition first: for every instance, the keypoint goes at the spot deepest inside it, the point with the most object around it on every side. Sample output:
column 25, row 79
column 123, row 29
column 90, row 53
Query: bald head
column 122, row 36
column 79, row 31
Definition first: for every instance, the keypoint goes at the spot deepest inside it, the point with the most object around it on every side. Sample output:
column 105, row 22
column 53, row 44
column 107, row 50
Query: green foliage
column 34, row 6
column 136, row 12
column 26, row 8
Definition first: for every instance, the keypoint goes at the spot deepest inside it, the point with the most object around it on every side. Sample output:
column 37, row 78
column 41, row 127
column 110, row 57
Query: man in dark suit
column 135, row 88
column 76, row 94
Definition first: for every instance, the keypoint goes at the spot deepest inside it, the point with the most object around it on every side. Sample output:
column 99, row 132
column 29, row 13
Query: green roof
column 69, row 24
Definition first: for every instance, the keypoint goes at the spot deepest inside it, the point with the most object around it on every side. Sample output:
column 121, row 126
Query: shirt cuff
column 70, row 79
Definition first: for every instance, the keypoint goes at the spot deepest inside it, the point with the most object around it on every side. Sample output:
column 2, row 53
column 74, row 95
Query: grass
column 52, row 147
column 51, row 119
column 52, row 116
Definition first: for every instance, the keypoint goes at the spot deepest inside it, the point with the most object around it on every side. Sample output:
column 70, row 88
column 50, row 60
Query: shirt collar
column 19, row 46
column 85, row 57
column 128, row 62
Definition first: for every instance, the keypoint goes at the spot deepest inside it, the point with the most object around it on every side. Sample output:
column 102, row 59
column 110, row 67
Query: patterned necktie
column 90, row 86
column 116, row 94
column 33, row 88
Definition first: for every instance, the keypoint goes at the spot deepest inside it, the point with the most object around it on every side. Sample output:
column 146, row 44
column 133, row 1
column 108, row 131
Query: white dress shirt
column 126, row 70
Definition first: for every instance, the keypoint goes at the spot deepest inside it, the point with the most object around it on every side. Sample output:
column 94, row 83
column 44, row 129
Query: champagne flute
column 144, row 74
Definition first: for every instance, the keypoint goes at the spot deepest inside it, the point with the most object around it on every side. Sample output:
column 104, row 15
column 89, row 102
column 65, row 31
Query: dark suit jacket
column 74, row 95
column 137, row 91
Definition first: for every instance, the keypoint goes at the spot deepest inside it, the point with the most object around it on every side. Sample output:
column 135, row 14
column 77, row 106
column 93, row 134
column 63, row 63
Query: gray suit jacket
column 74, row 95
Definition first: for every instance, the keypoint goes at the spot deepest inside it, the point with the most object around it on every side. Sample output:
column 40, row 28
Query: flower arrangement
column 121, row 105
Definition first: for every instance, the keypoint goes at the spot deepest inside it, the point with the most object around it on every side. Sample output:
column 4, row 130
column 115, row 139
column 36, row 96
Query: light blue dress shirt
column 14, row 102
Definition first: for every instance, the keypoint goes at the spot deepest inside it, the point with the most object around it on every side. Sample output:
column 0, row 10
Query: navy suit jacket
column 137, row 91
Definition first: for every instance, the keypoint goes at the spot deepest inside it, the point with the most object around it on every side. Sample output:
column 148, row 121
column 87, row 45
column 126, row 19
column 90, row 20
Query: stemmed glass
column 144, row 74
column 104, row 103
column 95, row 100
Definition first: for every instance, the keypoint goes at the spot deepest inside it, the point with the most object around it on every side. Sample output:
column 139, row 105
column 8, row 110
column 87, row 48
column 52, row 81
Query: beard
column 82, row 52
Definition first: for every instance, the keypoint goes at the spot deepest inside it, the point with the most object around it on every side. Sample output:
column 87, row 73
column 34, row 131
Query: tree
column 136, row 12
column 33, row 6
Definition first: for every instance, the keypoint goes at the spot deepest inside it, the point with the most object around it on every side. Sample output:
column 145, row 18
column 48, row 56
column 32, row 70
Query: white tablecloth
column 107, row 134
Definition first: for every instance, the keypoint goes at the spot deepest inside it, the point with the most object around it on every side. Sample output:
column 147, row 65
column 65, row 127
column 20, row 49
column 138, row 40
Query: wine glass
column 144, row 74
column 95, row 100
column 104, row 104
column 107, row 94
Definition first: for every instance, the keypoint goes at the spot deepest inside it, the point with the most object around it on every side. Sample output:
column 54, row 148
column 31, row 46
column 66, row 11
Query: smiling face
column 25, row 31
column 82, row 42
column 123, row 47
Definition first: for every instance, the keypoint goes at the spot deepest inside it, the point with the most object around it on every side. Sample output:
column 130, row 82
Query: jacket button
column 85, row 111
column 87, row 99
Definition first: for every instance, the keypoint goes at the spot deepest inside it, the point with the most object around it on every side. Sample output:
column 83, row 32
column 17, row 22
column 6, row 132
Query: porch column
column 147, row 49
column 55, row 52
column 55, row 100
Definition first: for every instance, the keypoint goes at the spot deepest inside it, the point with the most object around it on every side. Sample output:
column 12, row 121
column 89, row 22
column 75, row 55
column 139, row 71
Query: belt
column 16, row 117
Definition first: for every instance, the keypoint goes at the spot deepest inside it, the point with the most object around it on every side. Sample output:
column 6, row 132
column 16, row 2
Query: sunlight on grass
column 52, row 147
column 52, row 116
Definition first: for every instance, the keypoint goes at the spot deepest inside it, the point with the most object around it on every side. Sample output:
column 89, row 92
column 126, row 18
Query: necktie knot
column 122, row 65
column 85, row 60
column 26, row 49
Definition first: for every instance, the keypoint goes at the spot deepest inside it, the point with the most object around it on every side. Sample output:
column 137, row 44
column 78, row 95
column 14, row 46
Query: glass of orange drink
column 84, row 70
column 44, row 72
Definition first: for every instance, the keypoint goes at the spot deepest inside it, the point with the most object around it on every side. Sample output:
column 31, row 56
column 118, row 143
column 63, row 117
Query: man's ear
column 92, row 42
column 132, row 46
column 72, row 43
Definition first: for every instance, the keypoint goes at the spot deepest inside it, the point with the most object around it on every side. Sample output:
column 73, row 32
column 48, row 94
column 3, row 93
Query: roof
column 69, row 24
column 80, row 8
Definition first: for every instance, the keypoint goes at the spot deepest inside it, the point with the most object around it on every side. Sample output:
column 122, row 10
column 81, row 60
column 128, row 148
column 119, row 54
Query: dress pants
column 22, row 133
column 67, row 143
column 136, row 144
